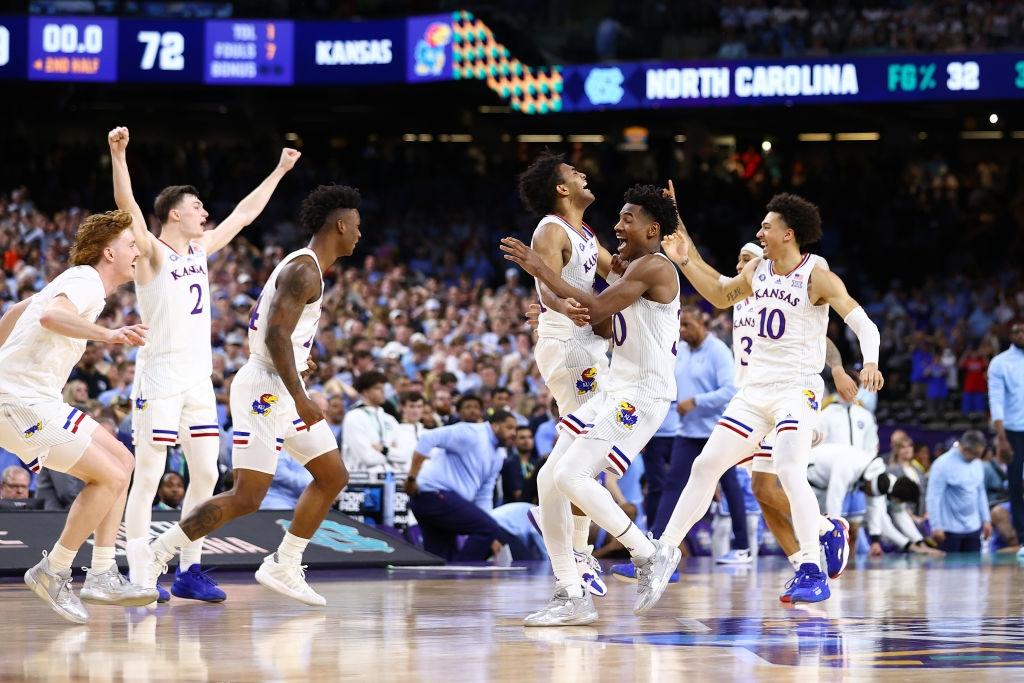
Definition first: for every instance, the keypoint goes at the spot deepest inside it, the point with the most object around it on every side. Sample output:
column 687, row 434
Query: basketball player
column 42, row 338
column 573, row 360
column 781, row 394
column 609, row 430
column 270, row 408
column 172, row 398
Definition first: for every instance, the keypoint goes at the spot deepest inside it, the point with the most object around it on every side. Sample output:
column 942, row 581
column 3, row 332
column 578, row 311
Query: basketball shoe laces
column 202, row 575
column 801, row 580
column 110, row 580
column 64, row 593
column 590, row 561
column 296, row 575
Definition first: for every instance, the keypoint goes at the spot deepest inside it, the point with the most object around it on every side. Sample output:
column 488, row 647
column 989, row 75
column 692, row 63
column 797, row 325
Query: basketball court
column 899, row 618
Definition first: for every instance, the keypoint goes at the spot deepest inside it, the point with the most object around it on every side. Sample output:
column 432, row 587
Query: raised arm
column 149, row 249
column 826, row 287
column 721, row 292
column 297, row 285
column 61, row 316
column 250, row 207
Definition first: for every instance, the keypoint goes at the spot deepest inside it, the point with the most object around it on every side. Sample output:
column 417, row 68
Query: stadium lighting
column 586, row 138
column 993, row 119
column 766, row 146
column 857, row 137
column 539, row 138
column 981, row 135
column 680, row 138
column 814, row 137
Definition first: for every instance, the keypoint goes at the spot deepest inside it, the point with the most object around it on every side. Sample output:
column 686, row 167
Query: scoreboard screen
column 72, row 49
column 167, row 51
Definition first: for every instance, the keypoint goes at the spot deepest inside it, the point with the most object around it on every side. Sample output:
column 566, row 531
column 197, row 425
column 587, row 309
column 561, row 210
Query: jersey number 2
column 198, row 308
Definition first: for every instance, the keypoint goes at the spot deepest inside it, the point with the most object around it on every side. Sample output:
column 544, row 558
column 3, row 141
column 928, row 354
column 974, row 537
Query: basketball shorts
column 192, row 414
column 265, row 421
column 762, row 411
column 626, row 423
column 762, row 461
column 52, row 434
column 573, row 370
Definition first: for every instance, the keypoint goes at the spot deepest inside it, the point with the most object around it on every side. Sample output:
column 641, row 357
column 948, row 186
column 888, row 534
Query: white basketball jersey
column 305, row 329
column 788, row 331
column 578, row 272
column 34, row 361
column 645, row 335
column 176, row 307
column 743, row 324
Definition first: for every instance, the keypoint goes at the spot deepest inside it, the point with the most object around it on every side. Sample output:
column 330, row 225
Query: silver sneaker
column 653, row 574
column 110, row 587
column 55, row 590
column 565, row 611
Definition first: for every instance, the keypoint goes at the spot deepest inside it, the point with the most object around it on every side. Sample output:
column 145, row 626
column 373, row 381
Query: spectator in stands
column 76, row 394
column 86, row 370
column 451, row 486
column 290, row 480
column 937, row 384
column 121, row 376
column 501, row 399
column 15, row 483
column 171, row 492
column 518, row 471
column 441, row 412
column 468, row 381
column 335, row 415
column 957, row 504
column 904, row 465
column 897, row 437
column 547, row 432
column 1006, row 399
column 470, row 408
column 974, row 366
column 409, row 431
column 369, row 432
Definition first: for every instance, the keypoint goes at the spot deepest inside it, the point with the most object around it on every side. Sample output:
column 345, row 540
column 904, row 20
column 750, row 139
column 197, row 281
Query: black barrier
column 243, row 543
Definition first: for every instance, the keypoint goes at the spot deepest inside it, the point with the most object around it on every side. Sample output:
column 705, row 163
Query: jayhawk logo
column 812, row 400
column 587, row 381
column 31, row 431
column 627, row 416
column 140, row 403
column 261, row 406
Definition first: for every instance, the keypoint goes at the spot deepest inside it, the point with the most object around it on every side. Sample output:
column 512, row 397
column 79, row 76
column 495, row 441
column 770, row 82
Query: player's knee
column 340, row 480
column 247, row 501
column 566, row 478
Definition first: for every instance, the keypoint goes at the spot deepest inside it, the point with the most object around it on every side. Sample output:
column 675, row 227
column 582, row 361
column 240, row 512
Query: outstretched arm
column 297, row 285
column 117, row 139
column 845, row 384
column 250, row 207
column 619, row 295
column 720, row 292
column 826, row 287
column 61, row 316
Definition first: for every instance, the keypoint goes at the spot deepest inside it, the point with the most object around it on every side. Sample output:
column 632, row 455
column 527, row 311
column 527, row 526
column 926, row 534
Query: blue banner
column 337, row 52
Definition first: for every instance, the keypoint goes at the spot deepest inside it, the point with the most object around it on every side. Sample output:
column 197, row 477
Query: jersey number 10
column 773, row 324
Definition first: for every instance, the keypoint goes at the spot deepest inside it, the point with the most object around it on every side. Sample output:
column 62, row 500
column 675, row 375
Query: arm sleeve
column 867, row 334
column 358, row 439
column 996, row 390
column 85, row 292
column 724, row 376
column 936, row 490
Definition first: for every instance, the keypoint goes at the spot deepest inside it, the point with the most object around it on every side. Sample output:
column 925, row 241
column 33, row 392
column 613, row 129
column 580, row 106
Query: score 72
column 169, row 46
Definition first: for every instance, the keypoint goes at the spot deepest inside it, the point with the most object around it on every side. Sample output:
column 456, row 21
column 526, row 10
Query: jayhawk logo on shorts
column 587, row 381
column 627, row 416
column 812, row 400
column 31, row 431
column 261, row 406
column 141, row 403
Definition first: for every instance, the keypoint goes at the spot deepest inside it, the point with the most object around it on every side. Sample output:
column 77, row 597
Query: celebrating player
column 782, row 392
column 610, row 429
column 42, row 339
column 269, row 405
column 172, row 398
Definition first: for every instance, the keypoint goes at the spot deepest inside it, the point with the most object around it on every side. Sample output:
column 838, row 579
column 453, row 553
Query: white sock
column 190, row 554
column 102, row 558
column 581, row 533
column 575, row 590
column 636, row 542
column 61, row 558
column 825, row 525
column 167, row 544
column 291, row 549
column 794, row 559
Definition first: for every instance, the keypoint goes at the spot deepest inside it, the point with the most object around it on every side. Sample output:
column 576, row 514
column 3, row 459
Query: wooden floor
column 900, row 619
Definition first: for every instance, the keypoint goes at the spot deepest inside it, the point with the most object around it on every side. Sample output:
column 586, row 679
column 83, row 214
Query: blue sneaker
column 161, row 594
column 627, row 573
column 836, row 545
column 195, row 584
column 808, row 585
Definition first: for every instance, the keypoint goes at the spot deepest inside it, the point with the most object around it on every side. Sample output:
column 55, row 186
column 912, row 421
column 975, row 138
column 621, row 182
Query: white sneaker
column 152, row 568
column 736, row 557
column 138, row 554
column 288, row 579
column 590, row 572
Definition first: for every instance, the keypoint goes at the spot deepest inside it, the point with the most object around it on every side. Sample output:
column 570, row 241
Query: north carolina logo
column 261, row 406
column 141, row 403
column 627, row 416
column 604, row 86
column 812, row 400
column 587, row 381
column 31, row 431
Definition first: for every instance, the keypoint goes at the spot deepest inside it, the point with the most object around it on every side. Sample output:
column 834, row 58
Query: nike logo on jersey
column 188, row 270
column 779, row 294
